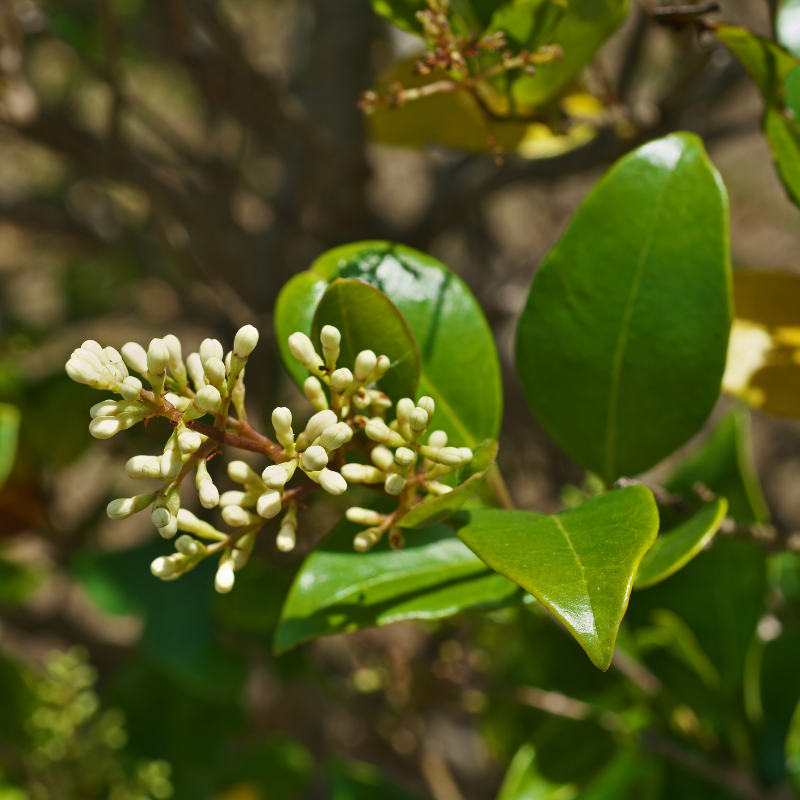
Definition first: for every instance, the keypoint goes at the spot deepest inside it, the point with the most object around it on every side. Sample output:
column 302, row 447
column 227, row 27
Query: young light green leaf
column 368, row 320
column 338, row 589
column 678, row 547
column 444, row 317
column 440, row 508
column 579, row 563
column 723, row 463
column 607, row 346
column 9, row 433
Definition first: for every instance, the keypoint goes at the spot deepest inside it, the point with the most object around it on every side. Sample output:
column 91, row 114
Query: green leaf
column 355, row 780
column 579, row 563
column 675, row 549
column 528, row 24
column 402, row 13
column 445, row 319
column 17, row 701
column 9, row 433
column 783, row 135
column 17, row 582
column 368, row 320
column 523, row 780
column 724, row 464
column 622, row 344
column 793, row 750
column 787, row 24
column 338, row 590
column 440, row 508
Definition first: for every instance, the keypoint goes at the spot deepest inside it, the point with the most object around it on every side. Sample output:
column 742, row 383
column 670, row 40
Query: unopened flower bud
column 233, row 497
column 365, row 363
column 404, row 456
column 237, row 517
column 215, row 372
column 105, row 427
column 317, row 424
column 135, row 357
column 223, row 582
column 364, row 541
column 140, row 467
column 157, row 358
column 245, row 341
column 381, row 367
column 287, row 537
column 313, row 391
column 282, row 422
column 82, row 372
column 171, row 461
column 127, row 506
column 437, row 439
column 269, row 504
column 302, row 349
column 106, row 408
column 188, row 546
column 394, row 484
column 377, row 430
column 363, row 473
column 130, row 388
column 450, row 457
column 210, row 348
column 277, row 475
column 404, row 409
column 341, row 379
column 163, row 568
column 189, row 442
column 208, row 493
column 94, row 347
column 382, row 457
column 89, row 357
column 363, row 516
column 434, row 487
column 332, row 482
column 428, row 404
column 160, row 517
column 334, row 436
column 315, row 458
column 191, row 524
column 170, row 529
column 466, row 455
column 418, row 421
column 330, row 338
column 195, row 368
column 241, row 472
column 207, row 399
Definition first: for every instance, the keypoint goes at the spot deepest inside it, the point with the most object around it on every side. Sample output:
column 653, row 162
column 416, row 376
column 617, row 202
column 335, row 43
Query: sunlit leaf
column 579, row 563
column 787, row 24
column 607, row 346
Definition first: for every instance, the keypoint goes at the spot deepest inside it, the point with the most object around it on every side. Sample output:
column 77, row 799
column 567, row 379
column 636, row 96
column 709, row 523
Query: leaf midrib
column 566, row 536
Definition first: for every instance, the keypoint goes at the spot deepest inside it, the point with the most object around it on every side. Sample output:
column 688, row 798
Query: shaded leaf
column 338, row 589
column 445, row 319
column 440, row 508
column 678, row 547
column 793, row 750
column 356, row 780
column 17, row 701
column 9, row 433
column 609, row 340
column 17, row 582
column 579, row 563
column 368, row 320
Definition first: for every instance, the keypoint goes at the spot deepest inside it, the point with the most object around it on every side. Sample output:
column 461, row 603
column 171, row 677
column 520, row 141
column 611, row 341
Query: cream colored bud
column 437, row 439
column 140, row 467
column 189, row 442
column 394, row 484
column 236, row 516
column 106, row 408
column 330, row 337
column 157, row 358
column 191, row 524
column 105, row 427
column 214, row 371
column 173, row 345
column 241, row 472
column 418, row 421
column 210, row 348
column 317, row 424
column 126, row 506
column 450, row 457
column 315, row 458
column 312, row 389
column 363, row 516
column 275, row 476
column 377, row 430
column 245, row 341
column 188, row 546
column 208, row 493
column 341, row 379
column 195, row 368
column 81, row 372
column 381, row 367
column 334, row 436
column 404, row 409
column 208, row 398
column 171, row 463
column 365, row 363
column 130, row 388
column 466, row 455
column 135, row 357
column 361, row 399
column 269, row 504
column 170, row 529
column 404, row 456
column 94, row 347
column 282, row 421
column 287, row 538
column 364, row 541
column 160, row 517
column 302, row 349
column 382, row 457
column 332, row 482
column 428, row 404
column 232, row 497
column 89, row 357
column 223, row 582
column 362, row 473
column 434, row 487
column 163, row 568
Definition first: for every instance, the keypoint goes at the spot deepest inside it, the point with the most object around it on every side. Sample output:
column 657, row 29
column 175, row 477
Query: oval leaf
column 675, row 549
column 368, row 320
column 440, row 508
column 445, row 319
column 579, row 563
column 338, row 590
column 608, row 347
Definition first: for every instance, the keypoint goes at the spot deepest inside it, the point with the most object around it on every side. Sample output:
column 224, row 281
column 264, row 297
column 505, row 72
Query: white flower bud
column 126, row 506
column 210, row 348
column 157, row 358
column 363, row 516
column 207, row 399
column 404, row 409
column 94, row 347
column 287, row 538
column 180, row 403
column 317, row 424
column 330, row 338
column 437, row 439
column 223, row 582
column 428, row 404
column 171, row 461
column 364, row 541
column 282, row 422
column 236, row 516
column 377, row 430
column 195, row 368
column 191, row 524
column 341, row 379
column 334, row 436
column 362, row 473
column 105, row 408
column 434, row 487
column 241, row 553
column 114, row 360
column 81, row 372
column 89, row 357
column 312, row 389
column 450, row 457
column 365, row 363
column 188, row 546
column 170, row 529
column 332, row 482
column 215, row 372
column 135, row 357
column 140, row 467
column 382, row 458
column 269, row 504
column 189, row 442
column 418, row 421
column 361, row 399
column 466, row 455
column 394, row 484
column 381, row 367
column 173, row 345
column 160, row 517
column 302, row 349
column 404, row 456
column 163, row 568
column 276, row 476
column 105, row 427
column 130, row 388
column 315, row 458
column 208, row 493
column 379, row 399
column 240, row 472
column 233, row 497
column 245, row 341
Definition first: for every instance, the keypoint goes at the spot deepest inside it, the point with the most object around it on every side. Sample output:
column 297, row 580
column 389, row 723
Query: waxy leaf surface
column 368, row 320
column 460, row 367
column 579, row 563
column 676, row 548
column 622, row 344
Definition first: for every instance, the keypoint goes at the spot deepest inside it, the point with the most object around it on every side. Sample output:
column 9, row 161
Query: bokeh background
column 164, row 168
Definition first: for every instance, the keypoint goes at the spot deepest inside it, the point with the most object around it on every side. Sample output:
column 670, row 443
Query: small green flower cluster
column 346, row 403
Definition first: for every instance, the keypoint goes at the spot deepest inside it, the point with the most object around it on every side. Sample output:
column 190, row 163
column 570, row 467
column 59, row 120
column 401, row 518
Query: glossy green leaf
column 338, row 589
column 622, row 344
column 9, row 433
column 676, row 548
column 528, row 24
column 724, row 464
column 440, row 508
column 523, row 780
column 783, row 135
column 579, row 563
column 447, row 323
column 368, row 320
column 787, row 24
